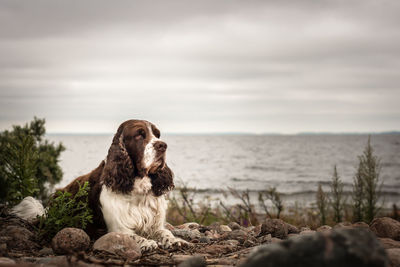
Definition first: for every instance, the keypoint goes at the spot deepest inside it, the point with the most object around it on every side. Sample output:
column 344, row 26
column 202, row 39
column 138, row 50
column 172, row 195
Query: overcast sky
column 201, row 66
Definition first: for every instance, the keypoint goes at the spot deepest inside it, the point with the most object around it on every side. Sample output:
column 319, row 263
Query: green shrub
column 28, row 164
column 337, row 202
column 322, row 204
column 369, row 169
column 66, row 210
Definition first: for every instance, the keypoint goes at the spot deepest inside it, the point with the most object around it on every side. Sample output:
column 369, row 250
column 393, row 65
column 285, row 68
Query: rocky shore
column 272, row 243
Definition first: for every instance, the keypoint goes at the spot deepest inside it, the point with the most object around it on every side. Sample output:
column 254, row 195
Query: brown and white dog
column 127, row 190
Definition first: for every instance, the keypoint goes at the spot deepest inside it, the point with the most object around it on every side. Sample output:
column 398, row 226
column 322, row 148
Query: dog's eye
column 140, row 134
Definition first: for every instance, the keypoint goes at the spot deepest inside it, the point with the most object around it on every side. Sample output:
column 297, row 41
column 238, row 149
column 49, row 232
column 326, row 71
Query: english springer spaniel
column 127, row 190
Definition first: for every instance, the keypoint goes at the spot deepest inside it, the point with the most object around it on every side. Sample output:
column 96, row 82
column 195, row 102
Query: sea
column 293, row 164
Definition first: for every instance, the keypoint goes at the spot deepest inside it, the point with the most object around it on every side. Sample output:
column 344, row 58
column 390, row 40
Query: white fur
column 139, row 214
column 28, row 209
column 149, row 151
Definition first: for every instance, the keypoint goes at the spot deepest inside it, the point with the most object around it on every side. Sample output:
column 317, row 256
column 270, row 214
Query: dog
column 127, row 190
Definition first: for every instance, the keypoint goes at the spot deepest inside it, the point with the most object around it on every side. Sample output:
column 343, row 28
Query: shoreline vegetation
column 29, row 166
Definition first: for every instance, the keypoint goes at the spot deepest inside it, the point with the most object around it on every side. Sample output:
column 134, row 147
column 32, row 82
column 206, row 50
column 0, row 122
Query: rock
column 248, row 243
column 118, row 244
column 342, row 224
column 18, row 238
column 305, row 229
column 234, row 226
column 238, row 235
column 204, row 239
column 232, row 243
column 194, row 261
column 360, row 224
column 6, row 261
column 217, row 249
column 70, row 240
column 45, row 251
column 389, row 243
column 257, row 230
column 189, row 225
column 324, row 228
column 276, row 240
column 386, row 227
column 224, row 228
column 275, row 227
column 394, row 257
column 292, row 229
column 340, row 247
column 292, row 235
column 187, row 234
column 212, row 234
column 265, row 239
column 307, row 232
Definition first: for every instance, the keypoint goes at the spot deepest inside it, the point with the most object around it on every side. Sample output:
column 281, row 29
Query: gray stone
column 238, row 235
column 394, row 257
column 386, row 227
column 389, row 243
column 70, row 240
column 276, row 227
column 292, row 229
column 234, row 226
column 18, row 238
column 324, row 228
column 6, row 261
column 340, row 247
column 224, row 228
column 204, row 239
column 46, row 251
column 194, row 261
column 118, row 244
column 187, row 234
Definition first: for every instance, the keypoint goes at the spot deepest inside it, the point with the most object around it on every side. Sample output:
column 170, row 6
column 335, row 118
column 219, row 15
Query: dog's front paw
column 148, row 245
column 173, row 242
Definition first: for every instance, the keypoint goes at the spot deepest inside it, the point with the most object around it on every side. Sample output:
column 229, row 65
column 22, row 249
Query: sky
column 201, row 66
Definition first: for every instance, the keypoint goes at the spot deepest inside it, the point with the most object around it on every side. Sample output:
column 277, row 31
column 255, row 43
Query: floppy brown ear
column 119, row 171
column 162, row 181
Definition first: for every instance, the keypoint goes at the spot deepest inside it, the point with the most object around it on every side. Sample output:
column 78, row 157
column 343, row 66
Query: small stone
column 324, row 228
column 394, row 256
column 231, row 242
column 361, row 224
column 248, row 243
column 275, row 227
column 187, row 234
column 224, row 228
column 194, row 261
column 276, row 240
column 204, row 239
column 118, row 244
column 342, row 224
column 292, row 229
column 389, row 243
column 70, row 240
column 307, row 232
column 304, row 229
column 234, row 226
column 257, row 230
column 6, row 261
column 265, row 239
column 238, row 235
column 46, row 251
column 190, row 225
column 386, row 227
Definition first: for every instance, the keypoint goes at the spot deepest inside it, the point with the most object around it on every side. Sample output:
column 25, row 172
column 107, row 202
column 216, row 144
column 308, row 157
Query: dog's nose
column 160, row 146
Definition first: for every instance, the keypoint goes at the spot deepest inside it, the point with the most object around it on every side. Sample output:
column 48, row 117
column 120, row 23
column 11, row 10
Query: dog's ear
column 162, row 181
column 119, row 171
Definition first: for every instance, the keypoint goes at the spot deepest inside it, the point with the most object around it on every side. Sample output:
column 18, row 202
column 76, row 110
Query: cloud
column 201, row 66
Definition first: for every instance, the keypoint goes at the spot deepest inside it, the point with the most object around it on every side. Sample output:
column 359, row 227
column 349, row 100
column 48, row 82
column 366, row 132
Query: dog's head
column 137, row 151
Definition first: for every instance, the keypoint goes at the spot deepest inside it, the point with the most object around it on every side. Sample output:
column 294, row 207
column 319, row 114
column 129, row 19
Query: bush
column 322, row 204
column 337, row 196
column 369, row 169
column 28, row 164
column 66, row 210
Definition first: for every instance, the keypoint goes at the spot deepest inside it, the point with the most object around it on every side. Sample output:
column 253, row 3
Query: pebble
column 70, row 240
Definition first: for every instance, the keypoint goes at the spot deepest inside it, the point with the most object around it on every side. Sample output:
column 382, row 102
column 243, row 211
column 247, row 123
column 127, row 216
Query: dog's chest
column 142, row 213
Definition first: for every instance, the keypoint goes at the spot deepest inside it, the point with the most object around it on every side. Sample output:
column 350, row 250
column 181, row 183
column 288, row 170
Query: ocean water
column 294, row 164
